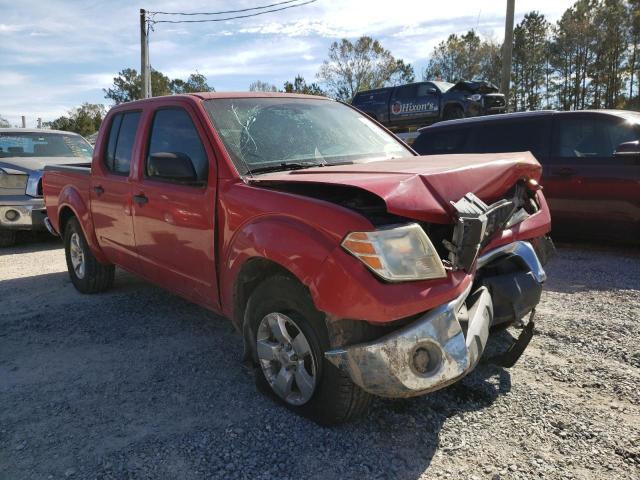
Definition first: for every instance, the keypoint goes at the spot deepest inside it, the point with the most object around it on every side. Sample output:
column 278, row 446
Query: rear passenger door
column 174, row 221
column 111, row 190
column 589, row 188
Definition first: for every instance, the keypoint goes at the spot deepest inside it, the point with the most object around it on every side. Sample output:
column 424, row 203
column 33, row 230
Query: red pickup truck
column 350, row 265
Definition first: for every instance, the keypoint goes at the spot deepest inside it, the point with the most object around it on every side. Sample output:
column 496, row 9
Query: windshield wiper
column 284, row 166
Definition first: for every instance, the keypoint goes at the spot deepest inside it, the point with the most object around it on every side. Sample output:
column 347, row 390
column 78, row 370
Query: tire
column 334, row 398
column 7, row 238
column 87, row 274
column 452, row 113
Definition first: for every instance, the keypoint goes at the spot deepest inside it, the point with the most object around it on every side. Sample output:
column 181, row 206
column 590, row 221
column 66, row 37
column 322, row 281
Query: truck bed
column 61, row 181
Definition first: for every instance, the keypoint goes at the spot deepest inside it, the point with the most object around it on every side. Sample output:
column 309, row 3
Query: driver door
column 415, row 104
column 174, row 221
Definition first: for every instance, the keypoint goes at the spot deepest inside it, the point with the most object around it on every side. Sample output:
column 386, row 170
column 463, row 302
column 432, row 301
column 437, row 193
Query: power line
column 152, row 21
column 225, row 12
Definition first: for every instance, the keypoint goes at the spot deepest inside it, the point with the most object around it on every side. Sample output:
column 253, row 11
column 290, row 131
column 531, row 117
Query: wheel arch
column 72, row 205
column 452, row 104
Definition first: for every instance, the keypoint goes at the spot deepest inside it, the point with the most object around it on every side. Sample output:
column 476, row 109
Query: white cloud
column 11, row 79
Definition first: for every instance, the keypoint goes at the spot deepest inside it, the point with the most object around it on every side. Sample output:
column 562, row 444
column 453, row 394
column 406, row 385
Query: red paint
column 195, row 241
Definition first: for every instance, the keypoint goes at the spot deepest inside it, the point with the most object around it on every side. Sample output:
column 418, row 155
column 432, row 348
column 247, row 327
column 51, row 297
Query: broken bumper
column 437, row 349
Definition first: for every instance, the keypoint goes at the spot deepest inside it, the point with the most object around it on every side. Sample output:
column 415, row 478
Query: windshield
column 443, row 86
column 38, row 144
column 262, row 134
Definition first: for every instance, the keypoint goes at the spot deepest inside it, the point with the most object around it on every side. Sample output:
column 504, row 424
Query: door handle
column 565, row 171
column 140, row 199
column 98, row 189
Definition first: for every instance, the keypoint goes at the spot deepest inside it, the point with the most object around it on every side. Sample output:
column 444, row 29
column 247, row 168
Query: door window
column 173, row 131
column 408, row 92
column 590, row 136
column 512, row 136
column 122, row 135
column 441, row 142
column 425, row 89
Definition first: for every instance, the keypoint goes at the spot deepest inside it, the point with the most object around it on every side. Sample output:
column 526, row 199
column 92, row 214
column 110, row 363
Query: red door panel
column 174, row 223
column 111, row 192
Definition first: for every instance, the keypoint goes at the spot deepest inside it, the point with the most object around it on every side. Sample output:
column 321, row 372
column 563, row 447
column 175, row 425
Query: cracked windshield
column 270, row 134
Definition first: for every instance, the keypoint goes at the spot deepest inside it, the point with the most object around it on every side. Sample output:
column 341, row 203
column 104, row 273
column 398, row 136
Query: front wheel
column 87, row 274
column 453, row 113
column 289, row 339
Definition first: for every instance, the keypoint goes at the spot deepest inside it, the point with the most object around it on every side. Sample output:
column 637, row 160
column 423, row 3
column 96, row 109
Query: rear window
column 43, row 145
column 441, row 141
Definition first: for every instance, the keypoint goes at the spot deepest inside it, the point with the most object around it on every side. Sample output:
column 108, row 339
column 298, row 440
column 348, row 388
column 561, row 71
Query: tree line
column 590, row 58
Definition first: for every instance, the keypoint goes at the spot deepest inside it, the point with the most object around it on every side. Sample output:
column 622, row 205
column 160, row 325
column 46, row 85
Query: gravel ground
column 137, row 383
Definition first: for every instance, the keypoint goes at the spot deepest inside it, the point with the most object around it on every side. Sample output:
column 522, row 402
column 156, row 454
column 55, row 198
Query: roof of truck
column 534, row 113
column 226, row 95
column 35, row 130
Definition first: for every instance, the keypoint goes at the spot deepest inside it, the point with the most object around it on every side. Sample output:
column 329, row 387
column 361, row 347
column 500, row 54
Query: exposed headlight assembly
column 397, row 254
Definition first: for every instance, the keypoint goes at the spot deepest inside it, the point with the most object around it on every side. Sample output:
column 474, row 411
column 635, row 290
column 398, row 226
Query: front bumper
column 23, row 216
column 437, row 349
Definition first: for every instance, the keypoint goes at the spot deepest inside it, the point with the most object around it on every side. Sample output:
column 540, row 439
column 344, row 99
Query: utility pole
column 507, row 48
column 145, row 71
column 24, row 121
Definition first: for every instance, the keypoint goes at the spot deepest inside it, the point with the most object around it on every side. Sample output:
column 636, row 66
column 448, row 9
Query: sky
column 55, row 54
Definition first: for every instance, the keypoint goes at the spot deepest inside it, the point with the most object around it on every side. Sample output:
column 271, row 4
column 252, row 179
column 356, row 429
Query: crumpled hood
column 476, row 86
column 421, row 187
column 26, row 165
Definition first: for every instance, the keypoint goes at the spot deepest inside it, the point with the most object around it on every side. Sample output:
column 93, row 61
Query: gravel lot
column 137, row 383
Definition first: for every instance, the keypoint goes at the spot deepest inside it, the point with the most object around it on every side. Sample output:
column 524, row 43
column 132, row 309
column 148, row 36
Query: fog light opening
column 12, row 215
column 426, row 359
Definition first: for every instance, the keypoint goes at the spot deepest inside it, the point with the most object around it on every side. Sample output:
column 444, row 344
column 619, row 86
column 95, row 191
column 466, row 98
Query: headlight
column 476, row 97
column 12, row 182
column 396, row 254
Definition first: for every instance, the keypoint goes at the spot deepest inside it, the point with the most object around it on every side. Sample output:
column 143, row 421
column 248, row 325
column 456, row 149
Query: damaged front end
column 477, row 222
column 447, row 342
column 440, row 347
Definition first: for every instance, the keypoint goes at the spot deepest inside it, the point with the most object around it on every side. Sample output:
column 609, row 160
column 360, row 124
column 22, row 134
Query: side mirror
column 628, row 148
column 432, row 90
column 174, row 166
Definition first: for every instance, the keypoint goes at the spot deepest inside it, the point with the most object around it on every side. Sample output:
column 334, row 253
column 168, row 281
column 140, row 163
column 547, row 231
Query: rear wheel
column 87, row 274
column 7, row 238
column 289, row 339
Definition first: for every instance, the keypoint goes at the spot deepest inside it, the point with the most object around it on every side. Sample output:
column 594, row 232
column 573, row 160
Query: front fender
column 286, row 241
column 72, row 199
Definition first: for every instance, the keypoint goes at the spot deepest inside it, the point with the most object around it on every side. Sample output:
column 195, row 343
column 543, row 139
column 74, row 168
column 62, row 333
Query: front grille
column 494, row 101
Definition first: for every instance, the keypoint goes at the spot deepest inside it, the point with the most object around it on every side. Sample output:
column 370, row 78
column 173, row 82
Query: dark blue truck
column 423, row 103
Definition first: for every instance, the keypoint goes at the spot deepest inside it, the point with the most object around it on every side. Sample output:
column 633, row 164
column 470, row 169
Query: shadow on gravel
column 599, row 268
column 28, row 242
column 412, row 427
column 138, row 383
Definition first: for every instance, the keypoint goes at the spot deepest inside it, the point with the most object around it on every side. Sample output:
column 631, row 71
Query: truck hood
column 32, row 164
column 420, row 187
column 475, row 87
